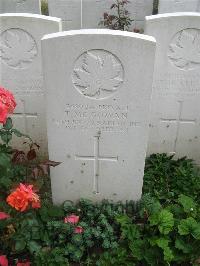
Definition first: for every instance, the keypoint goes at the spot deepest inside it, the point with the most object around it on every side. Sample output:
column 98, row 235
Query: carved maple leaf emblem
column 185, row 52
column 99, row 75
column 17, row 48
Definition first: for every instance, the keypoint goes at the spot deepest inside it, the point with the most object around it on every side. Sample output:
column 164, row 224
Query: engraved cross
column 178, row 122
column 96, row 158
column 24, row 115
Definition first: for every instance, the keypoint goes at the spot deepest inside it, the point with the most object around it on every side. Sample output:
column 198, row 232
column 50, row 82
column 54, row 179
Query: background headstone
column 99, row 84
column 21, row 71
column 86, row 14
column 171, row 6
column 70, row 11
column 20, row 6
column 175, row 108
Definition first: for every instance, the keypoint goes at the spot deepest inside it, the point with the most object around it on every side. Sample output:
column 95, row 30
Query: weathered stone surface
column 99, row 87
column 21, row 70
column 69, row 11
column 20, row 6
column 86, row 14
column 175, row 111
column 170, row 6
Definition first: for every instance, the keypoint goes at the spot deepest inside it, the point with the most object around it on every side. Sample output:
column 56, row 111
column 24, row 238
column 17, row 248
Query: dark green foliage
column 118, row 257
column 162, row 229
column 166, row 178
column 158, row 236
column 97, row 220
column 44, row 7
column 10, row 174
column 155, row 7
column 48, row 257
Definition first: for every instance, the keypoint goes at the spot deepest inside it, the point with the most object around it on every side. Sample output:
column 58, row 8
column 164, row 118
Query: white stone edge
column 169, row 15
column 99, row 32
column 29, row 15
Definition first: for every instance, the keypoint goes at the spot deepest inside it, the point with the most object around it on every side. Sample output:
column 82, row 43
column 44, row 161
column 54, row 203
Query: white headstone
column 20, row 6
column 84, row 14
column 171, row 6
column 175, row 111
column 70, row 11
column 99, row 85
column 21, row 70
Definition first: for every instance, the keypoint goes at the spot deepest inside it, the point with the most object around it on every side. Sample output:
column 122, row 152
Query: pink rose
column 3, row 260
column 4, row 216
column 78, row 230
column 3, row 113
column 7, row 104
column 8, row 100
column 73, row 219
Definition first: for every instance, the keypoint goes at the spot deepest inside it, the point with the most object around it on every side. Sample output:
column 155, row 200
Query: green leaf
column 44, row 214
column 55, row 211
column 188, row 226
column 5, row 182
column 137, row 248
column 77, row 239
column 149, row 205
column 133, row 232
column 6, row 136
column 68, row 206
column 45, row 237
column 8, row 125
column 188, row 204
column 35, row 233
column 196, row 232
column 129, row 230
column 151, row 255
column 17, row 133
column 123, row 220
column 163, row 243
column 20, row 245
column 185, row 247
column 4, row 160
column 165, row 221
column 34, row 247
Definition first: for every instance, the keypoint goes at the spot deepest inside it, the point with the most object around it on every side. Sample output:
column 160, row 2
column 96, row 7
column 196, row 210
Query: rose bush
column 18, row 196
